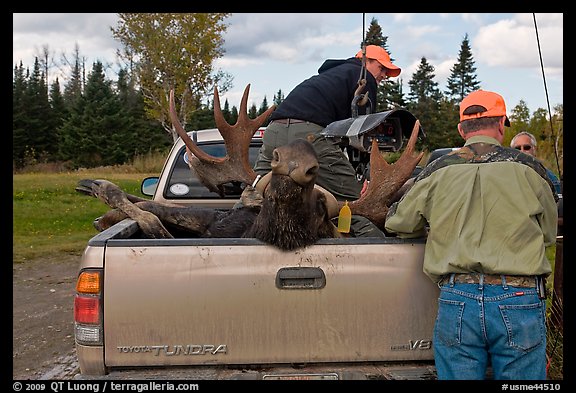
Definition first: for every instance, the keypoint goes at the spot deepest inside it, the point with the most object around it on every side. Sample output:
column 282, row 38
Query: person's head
column 525, row 142
column 483, row 112
column 378, row 63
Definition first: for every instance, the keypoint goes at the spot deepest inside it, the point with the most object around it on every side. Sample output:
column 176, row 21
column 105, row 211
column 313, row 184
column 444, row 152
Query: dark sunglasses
column 523, row 147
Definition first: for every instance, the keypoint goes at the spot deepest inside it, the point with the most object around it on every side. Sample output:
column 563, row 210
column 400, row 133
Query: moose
column 284, row 208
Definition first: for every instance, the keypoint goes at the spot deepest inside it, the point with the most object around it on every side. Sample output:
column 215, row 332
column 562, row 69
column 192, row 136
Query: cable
column 359, row 98
column 363, row 69
column 546, row 91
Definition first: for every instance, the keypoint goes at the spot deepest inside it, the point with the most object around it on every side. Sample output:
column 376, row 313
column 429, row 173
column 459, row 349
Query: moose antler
column 385, row 180
column 213, row 172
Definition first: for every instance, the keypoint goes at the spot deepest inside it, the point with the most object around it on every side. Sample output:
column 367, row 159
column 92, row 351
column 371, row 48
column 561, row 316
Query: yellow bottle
column 344, row 218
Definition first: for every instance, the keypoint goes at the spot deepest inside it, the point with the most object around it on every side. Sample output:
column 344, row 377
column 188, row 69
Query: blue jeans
column 497, row 325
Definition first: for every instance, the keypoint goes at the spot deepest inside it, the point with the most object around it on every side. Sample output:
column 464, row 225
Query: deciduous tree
column 173, row 51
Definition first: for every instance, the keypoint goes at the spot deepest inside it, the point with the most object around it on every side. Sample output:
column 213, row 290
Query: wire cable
column 547, row 99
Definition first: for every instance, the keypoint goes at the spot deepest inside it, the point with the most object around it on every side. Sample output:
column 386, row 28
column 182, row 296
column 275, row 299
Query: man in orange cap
column 489, row 212
column 319, row 101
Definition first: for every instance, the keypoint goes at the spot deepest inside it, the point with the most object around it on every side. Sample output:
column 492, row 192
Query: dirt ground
column 43, row 321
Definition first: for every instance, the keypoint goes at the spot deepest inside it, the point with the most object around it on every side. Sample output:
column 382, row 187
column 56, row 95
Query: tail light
column 88, row 316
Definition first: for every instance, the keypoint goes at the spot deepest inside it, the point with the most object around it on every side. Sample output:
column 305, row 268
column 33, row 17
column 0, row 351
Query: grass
column 50, row 217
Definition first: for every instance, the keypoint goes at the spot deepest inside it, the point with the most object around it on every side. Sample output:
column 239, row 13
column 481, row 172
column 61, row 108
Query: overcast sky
column 274, row 52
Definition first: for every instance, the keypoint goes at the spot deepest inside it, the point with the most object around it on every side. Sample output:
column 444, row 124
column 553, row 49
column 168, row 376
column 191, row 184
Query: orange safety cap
column 493, row 102
column 378, row 53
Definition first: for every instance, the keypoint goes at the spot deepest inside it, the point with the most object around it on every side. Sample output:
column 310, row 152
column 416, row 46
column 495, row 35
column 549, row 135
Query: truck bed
column 354, row 307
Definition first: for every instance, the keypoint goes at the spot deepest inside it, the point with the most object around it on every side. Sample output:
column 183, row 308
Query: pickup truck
column 237, row 308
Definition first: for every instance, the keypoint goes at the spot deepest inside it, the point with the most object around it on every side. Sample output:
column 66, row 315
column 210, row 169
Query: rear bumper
column 347, row 371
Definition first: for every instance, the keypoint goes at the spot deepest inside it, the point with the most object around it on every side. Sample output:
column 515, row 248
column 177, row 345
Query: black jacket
column 327, row 97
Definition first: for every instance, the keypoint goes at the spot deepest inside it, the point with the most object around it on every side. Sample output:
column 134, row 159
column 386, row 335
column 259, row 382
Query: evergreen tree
column 93, row 134
column 374, row 35
column 462, row 79
column 19, row 115
column 57, row 102
column 234, row 115
column 278, row 98
column 73, row 89
column 59, row 112
column 252, row 112
column 41, row 137
column 389, row 93
column 445, row 132
column 424, row 101
column 226, row 112
column 203, row 117
column 263, row 108
column 145, row 134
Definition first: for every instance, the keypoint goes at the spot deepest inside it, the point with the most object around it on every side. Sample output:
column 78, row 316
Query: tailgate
column 238, row 301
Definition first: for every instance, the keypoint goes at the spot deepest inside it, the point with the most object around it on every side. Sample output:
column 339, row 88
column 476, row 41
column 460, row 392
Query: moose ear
column 331, row 202
column 326, row 203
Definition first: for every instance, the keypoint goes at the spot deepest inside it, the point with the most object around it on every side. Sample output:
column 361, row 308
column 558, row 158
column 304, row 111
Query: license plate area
column 301, row 376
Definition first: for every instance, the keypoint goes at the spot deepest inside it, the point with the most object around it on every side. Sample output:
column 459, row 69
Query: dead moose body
column 285, row 208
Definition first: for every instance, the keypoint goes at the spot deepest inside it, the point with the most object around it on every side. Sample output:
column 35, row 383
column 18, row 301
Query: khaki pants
column 336, row 173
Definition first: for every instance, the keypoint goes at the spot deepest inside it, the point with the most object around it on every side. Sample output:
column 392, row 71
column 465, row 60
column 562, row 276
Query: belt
column 474, row 278
column 288, row 121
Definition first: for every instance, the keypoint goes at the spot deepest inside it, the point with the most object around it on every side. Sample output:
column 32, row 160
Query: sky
column 273, row 52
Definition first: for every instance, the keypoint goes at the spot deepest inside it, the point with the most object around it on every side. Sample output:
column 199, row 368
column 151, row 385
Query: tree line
column 94, row 121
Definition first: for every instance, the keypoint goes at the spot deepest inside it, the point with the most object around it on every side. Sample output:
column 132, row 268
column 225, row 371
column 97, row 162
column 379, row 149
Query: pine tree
column 59, row 112
column 462, row 79
column 226, row 112
column 203, row 117
column 145, row 134
column 263, row 108
column 253, row 112
column 374, row 35
column 389, row 94
column 73, row 89
column 19, row 115
column 41, row 141
column 234, row 117
column 93, row 134
column 424, row 101
column 278, row 98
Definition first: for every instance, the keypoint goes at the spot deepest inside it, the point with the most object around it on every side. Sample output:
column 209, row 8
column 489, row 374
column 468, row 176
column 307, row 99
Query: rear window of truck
column 183, row 183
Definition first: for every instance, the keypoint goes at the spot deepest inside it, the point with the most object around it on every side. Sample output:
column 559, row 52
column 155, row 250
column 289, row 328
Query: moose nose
column 297, row 160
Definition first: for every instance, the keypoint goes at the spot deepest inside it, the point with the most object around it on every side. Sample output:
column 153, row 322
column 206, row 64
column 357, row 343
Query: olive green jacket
column 484, row 208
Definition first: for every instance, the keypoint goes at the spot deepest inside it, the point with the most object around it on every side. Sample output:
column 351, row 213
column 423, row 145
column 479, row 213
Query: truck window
column 183, row 183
